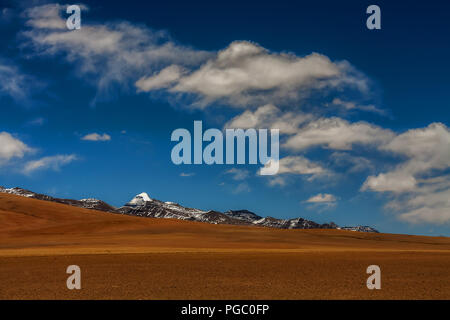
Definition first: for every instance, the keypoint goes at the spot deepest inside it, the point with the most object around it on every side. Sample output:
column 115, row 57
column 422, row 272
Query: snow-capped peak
column 18, row 191
column 140, row 199
column 90, row 200
column 144, row 196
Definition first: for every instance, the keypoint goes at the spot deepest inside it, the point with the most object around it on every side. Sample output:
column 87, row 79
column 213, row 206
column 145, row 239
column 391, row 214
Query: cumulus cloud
column 426, row 149
column 322, row 198
column 296, row 165
column 124, row 54
column 305, row 131
column 424, row 156
column 419, row 184
column 321, row 202
column 11, row 147
column 299, row 165
column 395, row 181
column 47, row 16
column 52, row 162
column 338, row 134
column 245, row 73
column 163, row 79
column 110, row 54
column 429, row 203
column 269, row 117
column 96, row 137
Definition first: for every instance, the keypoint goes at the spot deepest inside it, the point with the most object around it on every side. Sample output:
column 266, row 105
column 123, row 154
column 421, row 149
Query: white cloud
column 96, row 137
column 163, row 79
column 321, row 202
column 280, row 181
column 429, row 203
column 52, row 162
column 16, row 84
column 338, row 134
column 349, row 105
column 395, row 181
column 299, row 165
column 238, row 174
column 47, row 16
column 424, row 153
column 322, row 198
column 426, row 149
column 296, row 165
column 246, row 73
column 304, row 131
column 11, row 147
column 123, row 54
column 269, row 117
column 110, row 54
column 419, row 186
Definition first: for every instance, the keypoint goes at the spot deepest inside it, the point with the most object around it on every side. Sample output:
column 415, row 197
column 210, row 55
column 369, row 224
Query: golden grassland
column 124, row 257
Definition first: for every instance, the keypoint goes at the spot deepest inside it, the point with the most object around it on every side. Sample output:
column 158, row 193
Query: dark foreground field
column 125, row 257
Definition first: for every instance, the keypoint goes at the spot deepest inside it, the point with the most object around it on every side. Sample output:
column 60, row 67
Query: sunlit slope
column 125, row 257
column 29, row 226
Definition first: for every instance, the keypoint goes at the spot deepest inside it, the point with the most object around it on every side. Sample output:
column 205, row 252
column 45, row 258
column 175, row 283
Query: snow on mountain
column 144, row 206
column 171, row 210
column 92, row 203
column 139, row 200
column 83, row 203
column 296, row 223
column 359, row 229
column 18, row 191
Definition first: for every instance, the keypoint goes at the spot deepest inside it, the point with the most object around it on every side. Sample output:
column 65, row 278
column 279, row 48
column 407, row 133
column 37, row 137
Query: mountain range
column 144, row 206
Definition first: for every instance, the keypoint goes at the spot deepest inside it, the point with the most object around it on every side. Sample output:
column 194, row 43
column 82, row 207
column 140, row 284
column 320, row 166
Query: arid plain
column 124, row 257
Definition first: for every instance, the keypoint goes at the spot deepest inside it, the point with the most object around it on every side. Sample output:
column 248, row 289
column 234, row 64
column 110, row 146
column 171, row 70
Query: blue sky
column 363, row 114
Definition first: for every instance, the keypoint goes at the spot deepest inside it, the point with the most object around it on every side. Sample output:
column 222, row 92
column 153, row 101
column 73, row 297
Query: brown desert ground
column 124, row 257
